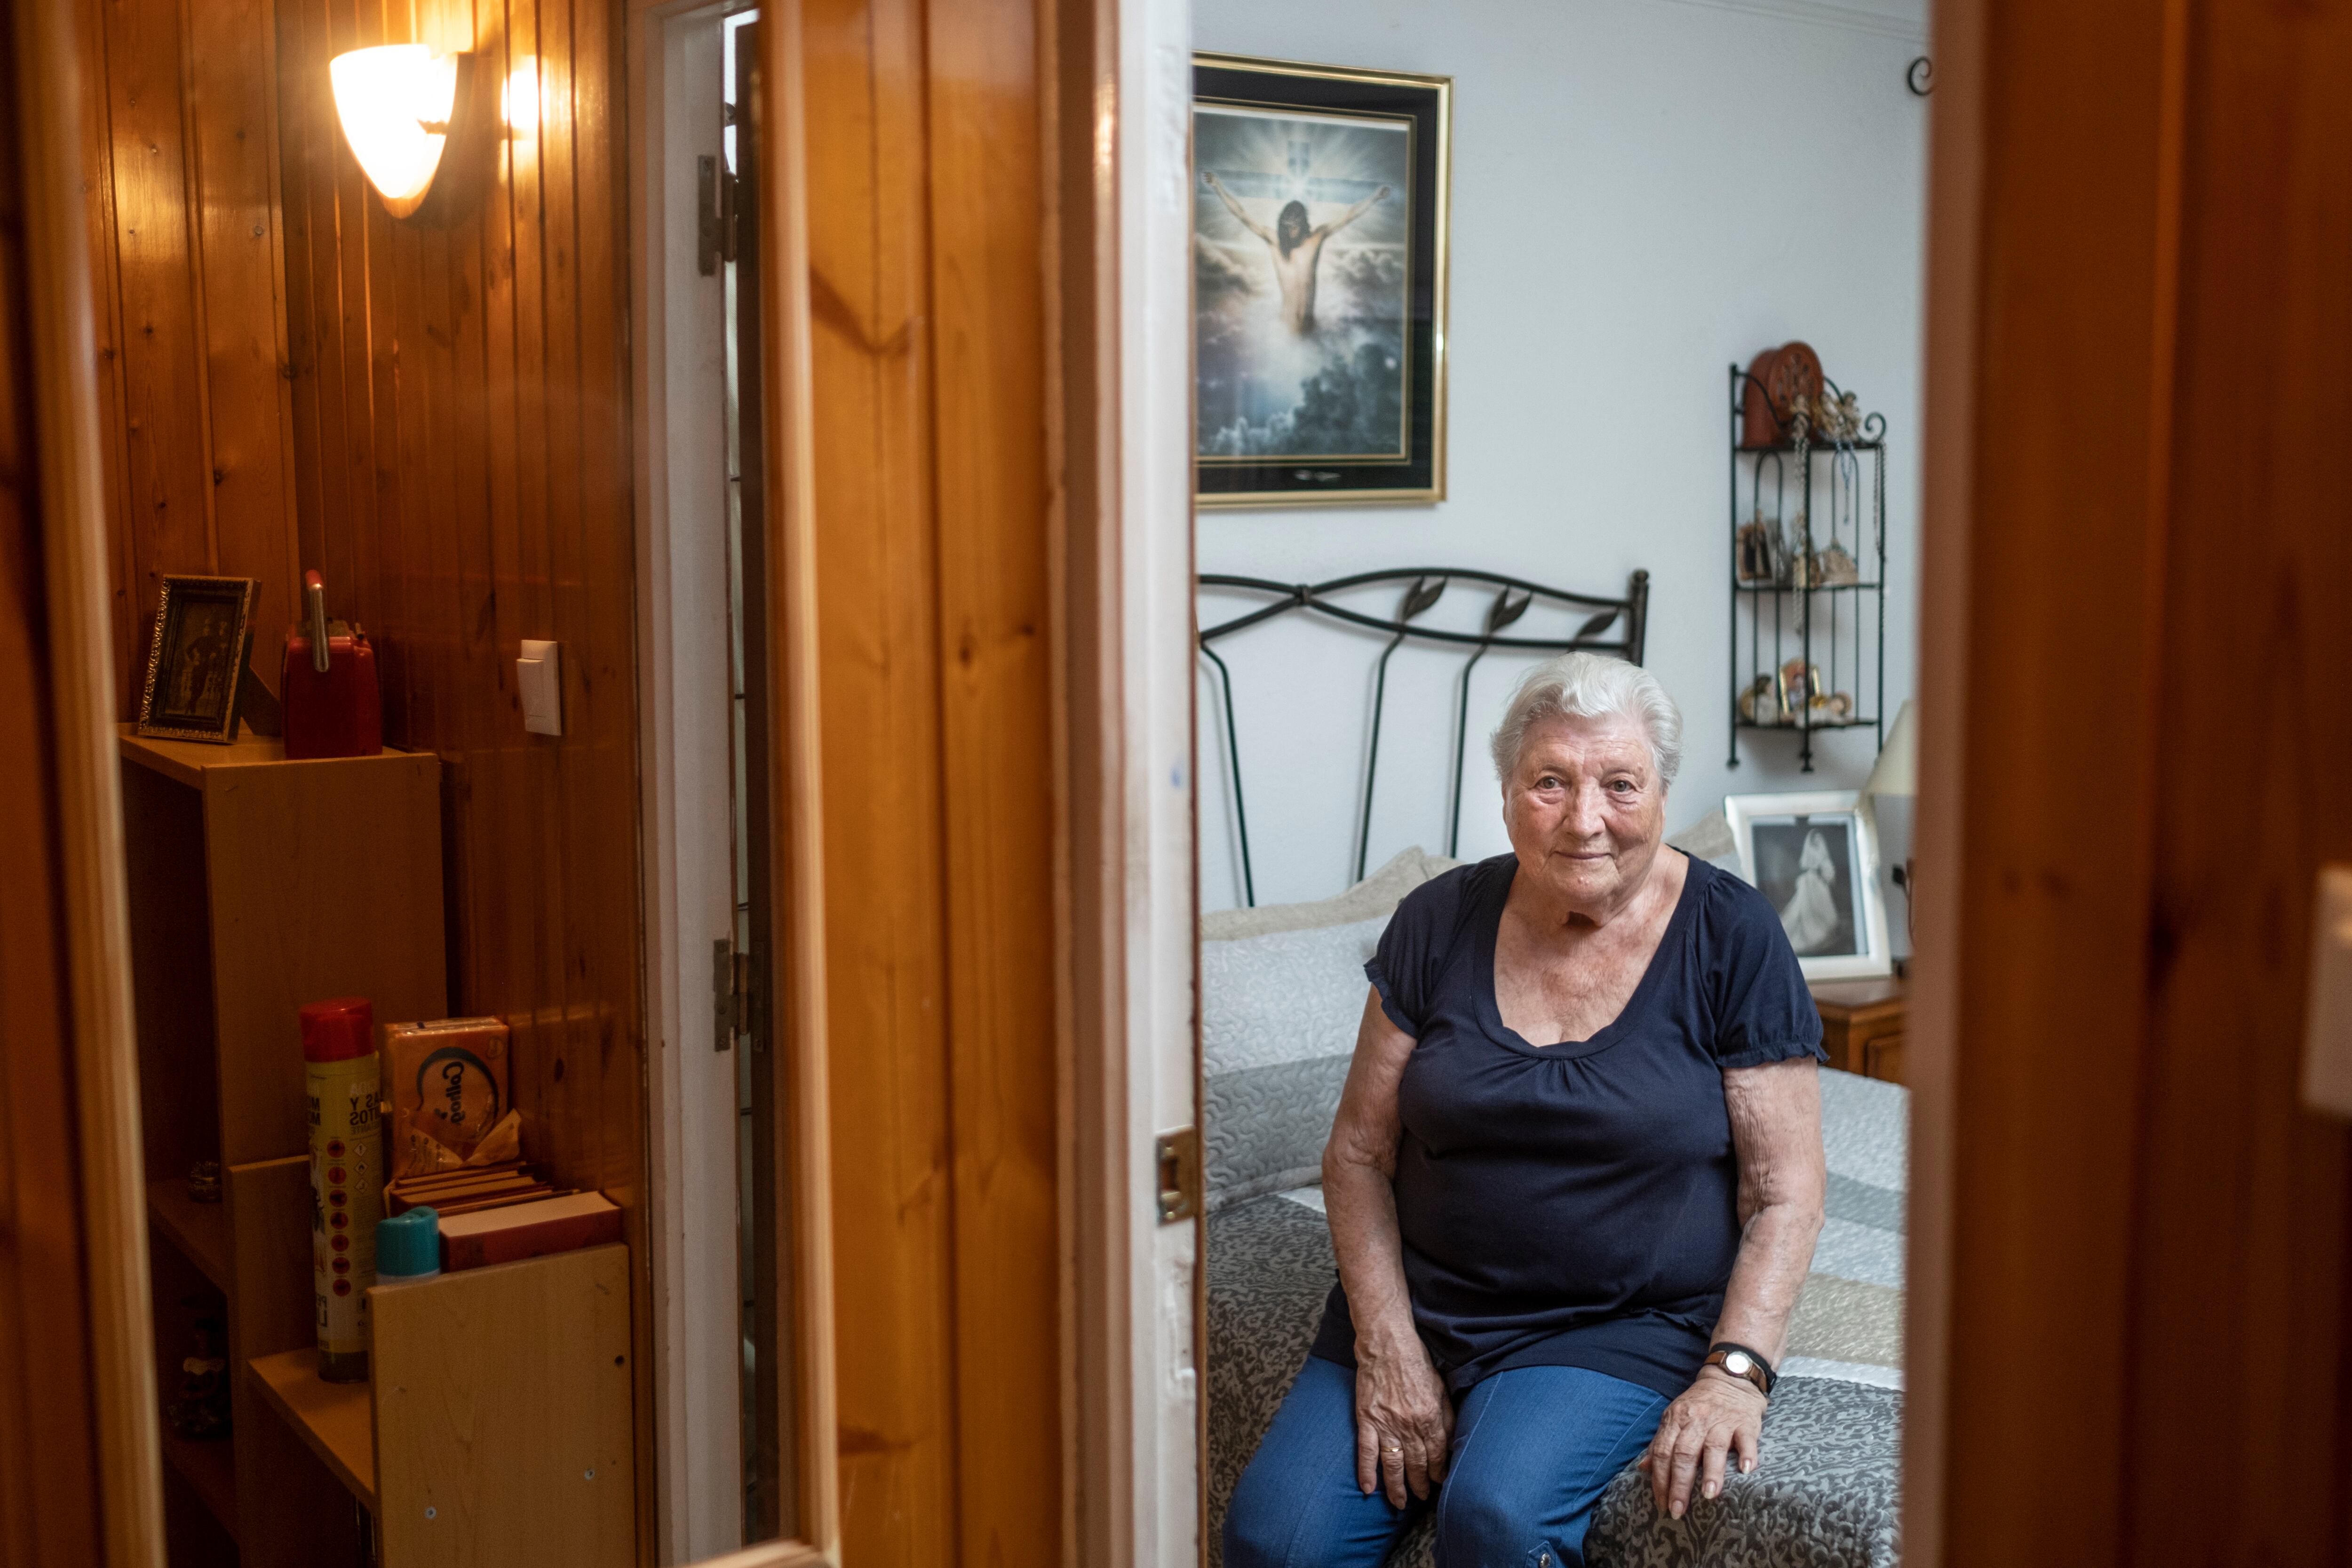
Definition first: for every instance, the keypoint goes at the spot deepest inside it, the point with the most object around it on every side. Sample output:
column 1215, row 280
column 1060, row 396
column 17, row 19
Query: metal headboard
column 1424, row 586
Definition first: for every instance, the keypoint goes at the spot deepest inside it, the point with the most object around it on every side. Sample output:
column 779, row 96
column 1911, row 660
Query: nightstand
column 1863, row 1022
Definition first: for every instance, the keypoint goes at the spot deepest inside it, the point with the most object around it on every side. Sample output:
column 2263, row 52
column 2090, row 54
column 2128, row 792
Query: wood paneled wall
column 2133, row 1293
column 932, row 495
column 461, row 462
column 461, row 448
column 434, row 415
column 181, row 162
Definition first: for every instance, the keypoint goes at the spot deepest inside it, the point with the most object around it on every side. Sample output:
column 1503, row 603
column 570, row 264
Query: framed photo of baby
column 1318, row 283
column 1815, row 859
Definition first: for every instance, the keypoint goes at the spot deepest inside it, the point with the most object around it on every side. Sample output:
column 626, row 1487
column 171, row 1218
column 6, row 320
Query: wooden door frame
column 1955, row 179
column 1116, row 118
column 685, row 766
column 96, row 938
column 1121, row 238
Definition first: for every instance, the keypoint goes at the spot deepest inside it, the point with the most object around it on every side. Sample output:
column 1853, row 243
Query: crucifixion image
column 1298, row 248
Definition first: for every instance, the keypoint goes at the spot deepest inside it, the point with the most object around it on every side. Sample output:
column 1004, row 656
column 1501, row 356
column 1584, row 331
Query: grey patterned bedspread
column 1824, row 1496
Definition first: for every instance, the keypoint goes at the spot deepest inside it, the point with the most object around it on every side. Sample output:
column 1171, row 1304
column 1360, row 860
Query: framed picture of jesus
column 1318, row 283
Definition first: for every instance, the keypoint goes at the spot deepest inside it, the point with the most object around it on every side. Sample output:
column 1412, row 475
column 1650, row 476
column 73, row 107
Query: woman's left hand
column 1717, row 1417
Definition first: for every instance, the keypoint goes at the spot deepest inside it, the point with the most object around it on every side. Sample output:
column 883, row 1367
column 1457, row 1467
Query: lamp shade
column 1898, row 768
column 395, row 101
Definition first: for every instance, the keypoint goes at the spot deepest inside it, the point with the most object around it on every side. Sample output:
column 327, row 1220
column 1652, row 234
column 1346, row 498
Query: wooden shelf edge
column 187, row 762
column 335, row 1420
column 199, row 1230
column 210, row 1470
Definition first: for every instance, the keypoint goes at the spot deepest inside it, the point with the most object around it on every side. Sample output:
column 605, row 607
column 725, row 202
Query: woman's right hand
column 1403, row 1419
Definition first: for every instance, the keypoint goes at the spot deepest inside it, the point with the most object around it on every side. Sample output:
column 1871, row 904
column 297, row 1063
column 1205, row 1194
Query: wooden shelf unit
column 258, row 884
column 497, row 1427
column 199, row 1230
column 210, row 1471
column 334, row 1420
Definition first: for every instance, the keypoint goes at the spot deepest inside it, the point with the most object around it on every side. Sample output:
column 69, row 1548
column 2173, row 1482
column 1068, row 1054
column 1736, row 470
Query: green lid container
column 407, row 1247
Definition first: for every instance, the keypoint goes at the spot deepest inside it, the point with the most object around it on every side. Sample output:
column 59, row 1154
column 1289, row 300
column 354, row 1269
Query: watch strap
column 1758, row 1372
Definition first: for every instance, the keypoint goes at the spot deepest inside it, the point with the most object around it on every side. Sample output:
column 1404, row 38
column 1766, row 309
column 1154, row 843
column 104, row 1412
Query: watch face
column 1736, row 1364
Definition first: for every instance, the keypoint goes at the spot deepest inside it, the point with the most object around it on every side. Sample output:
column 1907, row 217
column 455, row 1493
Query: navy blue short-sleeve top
column 1575, row 1204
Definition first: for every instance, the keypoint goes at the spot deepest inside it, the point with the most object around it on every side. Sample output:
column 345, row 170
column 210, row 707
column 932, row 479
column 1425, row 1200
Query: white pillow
column 1282, row 990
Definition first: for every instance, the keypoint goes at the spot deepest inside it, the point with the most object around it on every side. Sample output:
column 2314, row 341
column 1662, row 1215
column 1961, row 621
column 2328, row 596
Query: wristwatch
column 1741, row 1361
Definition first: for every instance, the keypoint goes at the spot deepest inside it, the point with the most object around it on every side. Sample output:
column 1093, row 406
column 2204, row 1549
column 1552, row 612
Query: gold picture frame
column 1286, row 155
column 196, row 659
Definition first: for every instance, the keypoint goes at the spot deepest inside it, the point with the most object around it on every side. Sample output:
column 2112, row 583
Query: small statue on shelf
column 1834, row 419
column 1759, row 563
column 201, row 1412
column 1760, row 704
column 1835, row 568
column 205, row 1181
column 1800, row 567
column 1800, row 686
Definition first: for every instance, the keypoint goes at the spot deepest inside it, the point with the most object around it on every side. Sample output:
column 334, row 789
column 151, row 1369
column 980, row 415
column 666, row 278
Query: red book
column 517, row 1231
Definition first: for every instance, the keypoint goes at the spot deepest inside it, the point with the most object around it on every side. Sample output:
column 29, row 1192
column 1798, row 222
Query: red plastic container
column 327, row 685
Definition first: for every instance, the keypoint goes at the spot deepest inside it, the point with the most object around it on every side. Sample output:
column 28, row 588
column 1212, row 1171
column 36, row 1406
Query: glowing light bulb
column 519, row 99
column 395, row 101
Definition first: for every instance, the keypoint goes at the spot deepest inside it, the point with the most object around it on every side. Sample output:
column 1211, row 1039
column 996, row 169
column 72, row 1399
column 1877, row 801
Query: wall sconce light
column 396, row 103
column 519, row 99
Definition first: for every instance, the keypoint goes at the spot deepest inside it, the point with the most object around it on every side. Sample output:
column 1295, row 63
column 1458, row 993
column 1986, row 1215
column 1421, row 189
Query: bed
column 1282, row 990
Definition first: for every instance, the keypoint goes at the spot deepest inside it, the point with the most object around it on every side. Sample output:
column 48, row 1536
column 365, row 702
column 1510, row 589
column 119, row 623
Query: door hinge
column 715, row 204
column 732, row 995
column 1178, row 1157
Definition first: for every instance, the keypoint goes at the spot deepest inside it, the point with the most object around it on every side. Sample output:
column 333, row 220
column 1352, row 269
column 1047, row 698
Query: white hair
column 1591, row 686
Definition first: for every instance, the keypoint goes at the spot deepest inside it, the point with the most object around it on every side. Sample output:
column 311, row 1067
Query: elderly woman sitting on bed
column 1575, row 1179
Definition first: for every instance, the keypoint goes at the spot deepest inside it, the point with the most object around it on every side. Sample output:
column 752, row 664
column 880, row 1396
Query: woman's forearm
column 1362, row 1208
column 1357, row 1199
column 1776, row 1253
column 1776, row 1126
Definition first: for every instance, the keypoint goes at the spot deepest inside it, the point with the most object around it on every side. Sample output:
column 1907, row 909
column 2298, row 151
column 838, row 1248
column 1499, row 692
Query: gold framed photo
column 196, row 658
column 1319, row 223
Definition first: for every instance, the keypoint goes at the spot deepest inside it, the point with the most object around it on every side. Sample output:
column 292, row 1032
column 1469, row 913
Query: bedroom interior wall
column 1644, row 190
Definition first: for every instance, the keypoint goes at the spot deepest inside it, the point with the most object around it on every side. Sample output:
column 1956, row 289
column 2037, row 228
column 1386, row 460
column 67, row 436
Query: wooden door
column 2130, row 1241
column 924, row 203
column 80, row 1475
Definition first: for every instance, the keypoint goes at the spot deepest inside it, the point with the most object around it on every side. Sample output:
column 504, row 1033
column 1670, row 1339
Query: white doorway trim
column 1155, row 219
column 686, row 764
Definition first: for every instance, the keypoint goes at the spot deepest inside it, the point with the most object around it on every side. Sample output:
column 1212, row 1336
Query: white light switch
column 539, row 674
column 2327, row 1020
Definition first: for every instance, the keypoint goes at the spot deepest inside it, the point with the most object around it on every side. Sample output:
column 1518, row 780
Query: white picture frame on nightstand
column 1814, row 857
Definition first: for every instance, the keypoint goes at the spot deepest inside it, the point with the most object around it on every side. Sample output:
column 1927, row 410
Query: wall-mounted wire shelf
column 1808, row 654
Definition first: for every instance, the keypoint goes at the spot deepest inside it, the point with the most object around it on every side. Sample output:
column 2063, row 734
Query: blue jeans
column 1533, row 1449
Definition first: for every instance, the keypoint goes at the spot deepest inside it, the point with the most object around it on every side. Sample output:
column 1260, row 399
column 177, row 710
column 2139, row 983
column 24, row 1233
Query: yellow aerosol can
column 339, row 1077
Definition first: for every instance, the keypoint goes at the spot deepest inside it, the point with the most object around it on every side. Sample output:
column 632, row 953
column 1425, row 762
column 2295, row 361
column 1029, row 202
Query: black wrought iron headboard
column 1424, row 586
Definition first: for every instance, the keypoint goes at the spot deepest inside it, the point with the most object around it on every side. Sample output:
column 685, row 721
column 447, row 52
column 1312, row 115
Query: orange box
column 447, row 1081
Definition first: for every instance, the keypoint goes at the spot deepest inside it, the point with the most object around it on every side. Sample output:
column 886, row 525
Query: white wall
column 1644, row 191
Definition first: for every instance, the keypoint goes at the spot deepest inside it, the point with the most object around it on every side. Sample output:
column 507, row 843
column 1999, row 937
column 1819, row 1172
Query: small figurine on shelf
column 1834, row 418
column 1835, row 568
column 1759, row 704
column 1758, row 563
column 1801, row 687
column 204, row 1182
column 1801, row 568
column 201, row 1412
